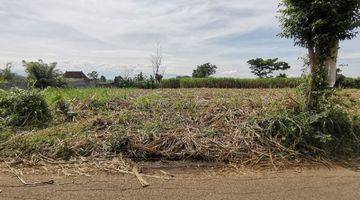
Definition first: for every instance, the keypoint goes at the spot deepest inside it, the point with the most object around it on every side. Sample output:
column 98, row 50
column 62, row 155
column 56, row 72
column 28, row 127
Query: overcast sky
column 113, row 36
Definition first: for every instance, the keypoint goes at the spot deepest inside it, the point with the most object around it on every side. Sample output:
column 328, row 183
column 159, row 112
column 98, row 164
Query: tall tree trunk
column 311, row 100
column 330, row 65
column 312, row 60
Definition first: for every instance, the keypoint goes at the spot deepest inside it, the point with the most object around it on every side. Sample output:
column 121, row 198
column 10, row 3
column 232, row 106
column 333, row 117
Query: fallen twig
column 50, row 182
column 142, row 181
column 166, row 174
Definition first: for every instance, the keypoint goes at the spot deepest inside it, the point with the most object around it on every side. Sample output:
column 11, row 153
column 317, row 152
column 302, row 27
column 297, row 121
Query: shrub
column 63, row 107
column 351, row 83
column 329, row 130
column 139, row 81
column 24, row 108
column 145, row 84
column 2, row 79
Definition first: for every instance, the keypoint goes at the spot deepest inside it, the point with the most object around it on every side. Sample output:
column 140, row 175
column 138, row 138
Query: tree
column 265, row 68
column 103, row 79
column 93, row 75
column 319, row 26
column 140, row 77
column 43, row 75
column 156, row 62
column 6, row 73
column 204, row 70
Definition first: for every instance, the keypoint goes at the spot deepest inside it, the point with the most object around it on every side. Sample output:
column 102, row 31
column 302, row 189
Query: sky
column 115, row 37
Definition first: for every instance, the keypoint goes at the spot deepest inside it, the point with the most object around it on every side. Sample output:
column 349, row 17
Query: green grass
column 73, row 94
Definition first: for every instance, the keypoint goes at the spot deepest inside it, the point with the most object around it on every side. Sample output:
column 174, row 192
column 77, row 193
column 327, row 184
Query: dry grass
column 214, row 125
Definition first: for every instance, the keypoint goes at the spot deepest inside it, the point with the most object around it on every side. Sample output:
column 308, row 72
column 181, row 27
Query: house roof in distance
column 75, row 74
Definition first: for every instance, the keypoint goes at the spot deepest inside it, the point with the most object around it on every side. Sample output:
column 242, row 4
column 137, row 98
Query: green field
column 219, row 125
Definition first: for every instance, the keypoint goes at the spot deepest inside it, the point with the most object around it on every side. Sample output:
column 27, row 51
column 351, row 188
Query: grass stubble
column 114, row 127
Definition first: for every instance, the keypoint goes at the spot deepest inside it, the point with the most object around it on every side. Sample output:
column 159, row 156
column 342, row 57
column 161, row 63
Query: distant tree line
column 42, row 75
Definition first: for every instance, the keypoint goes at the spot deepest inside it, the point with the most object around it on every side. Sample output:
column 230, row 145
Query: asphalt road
column 319, row 184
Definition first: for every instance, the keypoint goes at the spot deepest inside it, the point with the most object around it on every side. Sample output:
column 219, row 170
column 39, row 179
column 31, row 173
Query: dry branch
column 142, row 181
column 13, row 171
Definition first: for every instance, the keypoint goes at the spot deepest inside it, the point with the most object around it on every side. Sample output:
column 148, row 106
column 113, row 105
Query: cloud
column 112, row 35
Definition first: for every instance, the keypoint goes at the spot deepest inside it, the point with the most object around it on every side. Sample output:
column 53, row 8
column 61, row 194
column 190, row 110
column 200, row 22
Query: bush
column 136, row 82
column 24, row 108
column 351, row 83
column 63, row 107
column 329, row 130
column 2, row 79
column 145, row 84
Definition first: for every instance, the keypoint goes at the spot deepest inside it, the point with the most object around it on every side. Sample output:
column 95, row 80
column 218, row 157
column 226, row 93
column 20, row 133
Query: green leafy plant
column 326, row 130
column 63, row 107
column 351, row 83
column 24, row 108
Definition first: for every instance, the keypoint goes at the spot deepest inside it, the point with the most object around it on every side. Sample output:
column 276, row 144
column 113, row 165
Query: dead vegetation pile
column 203, row 125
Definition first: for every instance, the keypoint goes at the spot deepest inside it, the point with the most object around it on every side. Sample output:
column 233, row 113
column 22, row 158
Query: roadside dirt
column 191, row 183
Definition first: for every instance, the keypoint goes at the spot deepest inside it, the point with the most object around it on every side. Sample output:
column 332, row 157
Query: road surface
column 319, row 184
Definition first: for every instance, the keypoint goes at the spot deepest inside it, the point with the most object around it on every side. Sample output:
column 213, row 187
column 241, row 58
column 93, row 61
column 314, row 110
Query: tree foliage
column 319, row 26
column 93, row 75
column 265, row 68
column 140, row 77
column 204, row 70
column 43, row 75
column 103, row 79
column 6, row 74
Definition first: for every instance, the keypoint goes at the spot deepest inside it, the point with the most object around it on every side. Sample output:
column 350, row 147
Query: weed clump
column 24, row 108
column 63, row 107
column 119, row 142
column 327, row 130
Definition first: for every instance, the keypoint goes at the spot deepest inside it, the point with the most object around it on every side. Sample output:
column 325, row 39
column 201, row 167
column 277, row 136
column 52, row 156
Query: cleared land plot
column 215, row 125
